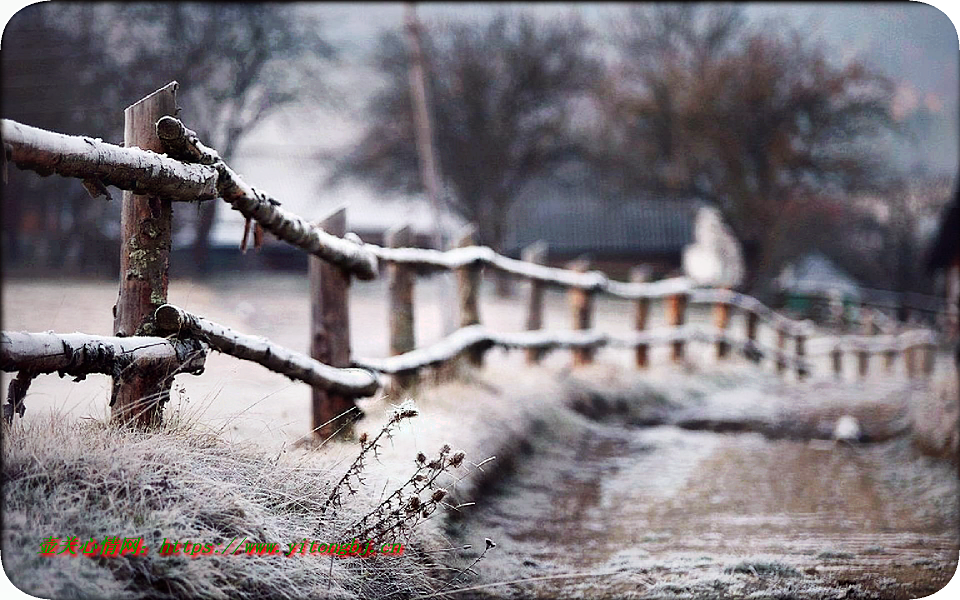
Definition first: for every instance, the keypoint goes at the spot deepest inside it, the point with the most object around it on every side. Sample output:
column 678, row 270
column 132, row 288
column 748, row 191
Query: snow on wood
column 99, row 163
column 265, row 210
column 477, row 337
column 352, row 381
column 79, row 354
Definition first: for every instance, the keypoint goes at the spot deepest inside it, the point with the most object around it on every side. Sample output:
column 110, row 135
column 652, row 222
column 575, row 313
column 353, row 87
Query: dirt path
column 666, row 512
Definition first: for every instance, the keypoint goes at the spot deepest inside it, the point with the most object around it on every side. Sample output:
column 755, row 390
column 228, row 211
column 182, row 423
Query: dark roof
column 577, row 219
column 946, row 246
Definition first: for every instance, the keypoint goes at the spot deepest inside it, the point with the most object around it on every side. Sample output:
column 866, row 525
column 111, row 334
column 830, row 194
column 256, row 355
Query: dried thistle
column 353, row 473
column 404, row 508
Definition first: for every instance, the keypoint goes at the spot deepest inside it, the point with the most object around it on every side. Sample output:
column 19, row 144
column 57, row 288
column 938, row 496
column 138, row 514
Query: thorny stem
column 357, row 465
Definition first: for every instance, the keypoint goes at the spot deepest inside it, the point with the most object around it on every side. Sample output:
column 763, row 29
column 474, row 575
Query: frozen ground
column 599, row 508
column 632, row 492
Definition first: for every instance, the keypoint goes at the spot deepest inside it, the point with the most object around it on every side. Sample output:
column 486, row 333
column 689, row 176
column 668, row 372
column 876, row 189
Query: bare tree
column 503, row 94
column 756, row 121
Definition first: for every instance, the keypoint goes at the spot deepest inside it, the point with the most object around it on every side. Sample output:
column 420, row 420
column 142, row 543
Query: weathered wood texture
column 401, row 284
column 721, row 319
column 676, row 307
column 139, row 170
column 802, row 368
column 639, row 276
column 79, row 355
column 330, row 333
column 535, row 253
column 581, row 308
column 836, row 357
column 468, row 291
column 350, row 381
column 751, row 347
column 265, row 210
column 863, row 363
column 145, row 238
column 781, row 349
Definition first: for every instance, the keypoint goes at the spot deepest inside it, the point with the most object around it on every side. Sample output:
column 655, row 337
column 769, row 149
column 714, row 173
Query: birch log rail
column 191, row 172
column 350, row 381
column 79, row 355
column 265, row 210
column 93, row 160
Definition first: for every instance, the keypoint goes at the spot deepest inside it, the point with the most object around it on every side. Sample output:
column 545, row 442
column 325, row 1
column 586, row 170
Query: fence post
column 929, row 358
column 863, row 362
column 721, row 318
column 801, row 352
column 330, row 333
column 535, row 253
column 401, row 282
column 468, row 289
column 781, row 351
column 145, row 234
column 910, row 361
column 639, row 275
column 752, row 352
column 676, row 309
column 837, row 355
column 581, row 306
column 889, row 358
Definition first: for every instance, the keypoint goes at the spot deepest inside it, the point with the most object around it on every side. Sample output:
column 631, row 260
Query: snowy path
column 666, row 512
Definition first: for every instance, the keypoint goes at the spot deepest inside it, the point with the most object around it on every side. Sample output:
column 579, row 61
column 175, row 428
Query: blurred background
column 824, row 136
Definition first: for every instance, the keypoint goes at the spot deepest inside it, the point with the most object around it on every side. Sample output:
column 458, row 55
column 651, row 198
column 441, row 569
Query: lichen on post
column 145, row 233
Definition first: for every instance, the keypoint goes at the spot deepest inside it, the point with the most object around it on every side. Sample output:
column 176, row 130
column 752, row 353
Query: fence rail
column 191, row 171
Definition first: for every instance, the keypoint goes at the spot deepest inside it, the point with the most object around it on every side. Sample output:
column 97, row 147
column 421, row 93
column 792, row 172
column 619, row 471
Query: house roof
column 814, row 273
column 576, row 219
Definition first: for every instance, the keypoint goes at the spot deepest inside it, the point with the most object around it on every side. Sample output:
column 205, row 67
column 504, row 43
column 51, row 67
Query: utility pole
column 429, row 168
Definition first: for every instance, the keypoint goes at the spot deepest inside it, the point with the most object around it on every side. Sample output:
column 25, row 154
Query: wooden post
column 929, row 359
column 639, row 275
column 801, row 352
column 468, row 289
column 145, row 235
column 581, row 306
column 889, row 358
column 330, row 333
column 781, row 351
column 535, row 253
column 721, row 318
column 401, row 281
column 863, row 363
column 676, row 308
column 752, row 352
column 837, row 355
column 910, row 361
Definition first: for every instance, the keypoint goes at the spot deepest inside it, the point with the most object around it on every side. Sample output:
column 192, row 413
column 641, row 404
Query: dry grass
column 85, row 480
column 81, row 478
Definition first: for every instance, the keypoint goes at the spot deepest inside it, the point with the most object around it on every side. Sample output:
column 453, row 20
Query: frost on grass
column 86, row 480
column 763, row 568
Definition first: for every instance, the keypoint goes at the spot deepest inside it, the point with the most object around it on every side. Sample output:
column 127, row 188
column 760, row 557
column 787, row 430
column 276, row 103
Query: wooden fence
column 163, row 162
